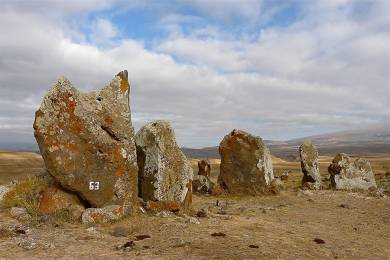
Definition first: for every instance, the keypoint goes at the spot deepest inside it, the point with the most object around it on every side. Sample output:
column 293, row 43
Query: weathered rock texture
column 246, row 164
column 202, row 184
column 204, row 168
column 88, row 137
column 54, row 198
column 165, row 174
column 102, row 215
column 347, row 173
column 309, row 164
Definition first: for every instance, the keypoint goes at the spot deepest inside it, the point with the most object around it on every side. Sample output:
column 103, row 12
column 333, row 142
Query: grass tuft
column 25, row 194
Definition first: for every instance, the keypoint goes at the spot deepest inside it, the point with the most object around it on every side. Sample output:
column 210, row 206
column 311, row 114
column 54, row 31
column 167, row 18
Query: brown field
column 18, row 165
column 347, row 225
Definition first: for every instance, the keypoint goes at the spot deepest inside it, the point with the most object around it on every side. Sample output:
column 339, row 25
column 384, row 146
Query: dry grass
column 18, row 165
column 25, row 194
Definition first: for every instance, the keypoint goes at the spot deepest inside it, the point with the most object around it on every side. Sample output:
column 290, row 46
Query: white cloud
column 318, row 73
column 103, row 32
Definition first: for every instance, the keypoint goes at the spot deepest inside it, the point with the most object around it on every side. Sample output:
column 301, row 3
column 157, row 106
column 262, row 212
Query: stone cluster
column 100, row 171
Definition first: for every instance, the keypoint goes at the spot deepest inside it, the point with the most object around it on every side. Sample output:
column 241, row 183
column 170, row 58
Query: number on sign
column 94, row 185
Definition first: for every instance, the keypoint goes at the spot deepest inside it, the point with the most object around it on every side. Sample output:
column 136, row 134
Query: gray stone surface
column 347, row 173
column 102, row 215
column 165, row 174
column 246, row 163
column 202, row 184
column 88, row 137
column 309, row 164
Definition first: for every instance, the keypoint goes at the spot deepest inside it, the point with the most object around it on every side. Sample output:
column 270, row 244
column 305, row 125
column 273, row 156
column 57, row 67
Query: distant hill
column 372, row 140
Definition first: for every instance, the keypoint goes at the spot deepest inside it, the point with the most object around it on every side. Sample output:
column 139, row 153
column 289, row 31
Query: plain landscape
column 295, row 224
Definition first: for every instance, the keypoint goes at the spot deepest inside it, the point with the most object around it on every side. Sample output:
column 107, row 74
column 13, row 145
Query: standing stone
column 246, row 163
column 347, row 173
column 309, row 164
column 87, row 142
column 204, row 168
column 165, row 174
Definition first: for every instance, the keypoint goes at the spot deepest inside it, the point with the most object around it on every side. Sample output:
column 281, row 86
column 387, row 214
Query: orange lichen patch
column 170, row 205
column 118, row 211
column 119, row 161
column 124, row 85
column 71, row 146
column 68, row 106
column 54, row 198
column 108, row 120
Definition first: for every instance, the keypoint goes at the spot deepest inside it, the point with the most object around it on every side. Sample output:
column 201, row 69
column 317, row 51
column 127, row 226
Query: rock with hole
column 87, row 142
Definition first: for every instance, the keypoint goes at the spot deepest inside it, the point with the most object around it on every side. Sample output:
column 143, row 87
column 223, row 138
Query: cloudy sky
column 280, row 69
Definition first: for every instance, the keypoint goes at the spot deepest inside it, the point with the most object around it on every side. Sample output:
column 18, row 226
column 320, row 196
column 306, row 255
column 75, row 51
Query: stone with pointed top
column 87, row 142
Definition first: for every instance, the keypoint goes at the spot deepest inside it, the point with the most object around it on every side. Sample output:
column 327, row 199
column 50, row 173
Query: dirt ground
column 350, row 225
column 321, row 224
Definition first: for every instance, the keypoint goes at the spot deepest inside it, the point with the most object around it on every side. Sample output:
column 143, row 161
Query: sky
column 279, row 69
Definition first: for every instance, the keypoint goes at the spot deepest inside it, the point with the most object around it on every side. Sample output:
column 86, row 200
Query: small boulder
column 20, row 214
column 87, row 142
column 202, row 184
column 103, row 215
column 204, row 168
column 165, row 174
column 54, row 198
column 348, row 174
column 246, row 163
column 276, row 186
column 309, row 164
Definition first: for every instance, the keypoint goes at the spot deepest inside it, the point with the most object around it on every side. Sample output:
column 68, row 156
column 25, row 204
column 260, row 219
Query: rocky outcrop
column 204, row 168
column 348, row 174
column 309, row 164
column 165, row 174
column 87, row 142
column 246, row 163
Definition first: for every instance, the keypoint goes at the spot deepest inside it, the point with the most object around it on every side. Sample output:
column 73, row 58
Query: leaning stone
column 87, row 142
column 349, row 174
column 204, row 168
column 103, row 215
column 165, row 174
column 309, row 164
column 246, row 163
